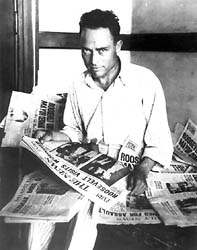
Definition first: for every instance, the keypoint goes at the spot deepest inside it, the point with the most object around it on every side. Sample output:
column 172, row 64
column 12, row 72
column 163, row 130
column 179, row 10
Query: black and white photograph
column 102, row 95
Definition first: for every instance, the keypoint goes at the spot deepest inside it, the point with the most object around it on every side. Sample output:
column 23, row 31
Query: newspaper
column 186, row 145
column 93, row 174
column 21, row 220
column 136, row 210
column 29, row 112
column 41, row 196
column 174, row 197
column 176, row 166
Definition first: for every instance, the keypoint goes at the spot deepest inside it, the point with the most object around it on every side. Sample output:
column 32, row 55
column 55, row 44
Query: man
column 111, row 101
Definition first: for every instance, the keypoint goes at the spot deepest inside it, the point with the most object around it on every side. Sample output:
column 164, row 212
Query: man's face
column 99, row 51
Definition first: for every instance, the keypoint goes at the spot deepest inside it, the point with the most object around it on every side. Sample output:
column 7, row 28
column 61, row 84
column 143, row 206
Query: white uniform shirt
column 134, row 105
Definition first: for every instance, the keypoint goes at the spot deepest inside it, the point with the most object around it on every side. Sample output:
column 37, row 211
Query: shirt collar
column 120, row 79
column 123, row 75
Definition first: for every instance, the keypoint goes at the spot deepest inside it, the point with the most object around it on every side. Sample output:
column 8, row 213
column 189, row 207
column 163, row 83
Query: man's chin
column 96, row 74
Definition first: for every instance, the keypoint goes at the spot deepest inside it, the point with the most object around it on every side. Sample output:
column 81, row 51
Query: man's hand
column 49, row 135
column 43, row 135
column 137, row 179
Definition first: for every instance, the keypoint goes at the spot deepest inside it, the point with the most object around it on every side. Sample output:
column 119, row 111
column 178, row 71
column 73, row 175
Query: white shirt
column 134, row 105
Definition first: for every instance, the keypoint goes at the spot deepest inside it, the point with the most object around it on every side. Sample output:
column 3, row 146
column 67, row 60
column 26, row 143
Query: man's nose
column 95, row 58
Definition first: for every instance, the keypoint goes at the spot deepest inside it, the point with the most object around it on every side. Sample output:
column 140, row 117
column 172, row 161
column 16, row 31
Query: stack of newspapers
column 40, row 196
column 173, row 192
column 77, row 173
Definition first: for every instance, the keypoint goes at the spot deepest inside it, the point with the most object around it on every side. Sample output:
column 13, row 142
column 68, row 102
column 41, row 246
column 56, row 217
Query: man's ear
column 119, row 44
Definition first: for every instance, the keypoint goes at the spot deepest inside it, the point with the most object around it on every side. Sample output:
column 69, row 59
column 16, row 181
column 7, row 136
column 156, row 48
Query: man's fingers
column 139, row 188
column 43, row 136
column 39, row 133
column 130, row 182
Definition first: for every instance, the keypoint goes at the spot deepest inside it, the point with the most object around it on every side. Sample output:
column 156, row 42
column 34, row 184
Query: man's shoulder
column 80, row 76
column 138, row 70
column 141, row 75
column 82, row 80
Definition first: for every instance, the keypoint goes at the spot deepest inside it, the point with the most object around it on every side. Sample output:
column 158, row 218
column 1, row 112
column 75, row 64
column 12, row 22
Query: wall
column 177, row 71
column 164, row 16
column 178, row 75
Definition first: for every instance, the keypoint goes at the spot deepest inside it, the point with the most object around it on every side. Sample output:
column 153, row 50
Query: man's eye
column 86, row 51
column 102, row 50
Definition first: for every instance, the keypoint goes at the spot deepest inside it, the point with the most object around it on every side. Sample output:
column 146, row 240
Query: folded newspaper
column 42, row 196
column 174, row 197
column 29, row 112
column 93, row 174
column 186, row 144
column 136, row 210
column 177, row 165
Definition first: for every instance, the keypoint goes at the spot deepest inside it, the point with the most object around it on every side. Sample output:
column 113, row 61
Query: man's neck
column 107, row 80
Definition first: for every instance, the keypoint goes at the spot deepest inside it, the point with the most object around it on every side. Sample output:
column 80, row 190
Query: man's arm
column 157, row 135
column 137, row 179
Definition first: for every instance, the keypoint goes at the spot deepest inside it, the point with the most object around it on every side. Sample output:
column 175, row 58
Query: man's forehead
column 99, row 36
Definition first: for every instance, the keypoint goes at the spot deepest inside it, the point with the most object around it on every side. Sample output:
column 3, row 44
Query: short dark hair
column 101, row 18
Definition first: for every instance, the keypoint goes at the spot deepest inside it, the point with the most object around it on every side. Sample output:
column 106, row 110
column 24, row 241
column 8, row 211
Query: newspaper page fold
column 41, row 196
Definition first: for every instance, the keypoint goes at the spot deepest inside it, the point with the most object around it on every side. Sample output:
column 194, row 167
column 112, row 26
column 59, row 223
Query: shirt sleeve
column 72, row 118
column 157, row 138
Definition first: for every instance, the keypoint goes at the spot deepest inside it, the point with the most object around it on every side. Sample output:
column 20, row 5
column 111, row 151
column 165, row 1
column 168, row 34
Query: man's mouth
column 95, row 68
